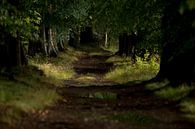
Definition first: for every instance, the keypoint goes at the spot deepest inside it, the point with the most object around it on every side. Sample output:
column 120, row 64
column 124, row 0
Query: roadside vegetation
column 126, row 70
column 34, row 88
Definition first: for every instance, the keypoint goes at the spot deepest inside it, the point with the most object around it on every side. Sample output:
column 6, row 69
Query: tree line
column 166, row 27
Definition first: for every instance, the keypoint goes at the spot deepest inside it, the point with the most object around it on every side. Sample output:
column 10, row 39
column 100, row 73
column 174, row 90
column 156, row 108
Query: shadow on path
column 104, row 104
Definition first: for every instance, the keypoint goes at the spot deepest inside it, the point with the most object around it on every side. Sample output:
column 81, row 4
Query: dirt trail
column 102, row 104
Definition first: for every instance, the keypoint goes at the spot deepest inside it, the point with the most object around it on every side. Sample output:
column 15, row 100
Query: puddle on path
column 100, row 95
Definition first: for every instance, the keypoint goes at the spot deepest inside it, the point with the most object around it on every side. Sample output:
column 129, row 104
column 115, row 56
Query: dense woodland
column 47, row 27
column 163, row 27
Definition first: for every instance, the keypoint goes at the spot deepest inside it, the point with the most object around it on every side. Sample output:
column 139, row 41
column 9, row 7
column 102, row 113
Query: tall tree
column 178, row 42
column 15, row 26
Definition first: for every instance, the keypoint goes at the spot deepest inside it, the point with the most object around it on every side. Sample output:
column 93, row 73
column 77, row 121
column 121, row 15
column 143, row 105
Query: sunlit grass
column 119, row 59
column 86, row 79
column 57, row 69
column 126, row 71
column 34, row 88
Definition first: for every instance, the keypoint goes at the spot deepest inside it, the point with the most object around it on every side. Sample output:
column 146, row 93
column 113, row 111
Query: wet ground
column 102, row 104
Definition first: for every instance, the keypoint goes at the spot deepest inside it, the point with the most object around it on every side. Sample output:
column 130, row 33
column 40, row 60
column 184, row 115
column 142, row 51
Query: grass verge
column 180, row 93
column 174, row 93
column 56, row 69
column 25, row 94
column 126, row 71
column 34, row 88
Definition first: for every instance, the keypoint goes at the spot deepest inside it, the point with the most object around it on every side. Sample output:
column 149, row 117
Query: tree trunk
column 35, row 47
column 121, row 45
column 127, row 45
column 61, row 46
column 106, row 45
column 177, row 63
column 74, row 38
column 51, row 44
column 86, row 35
column 44, row 39
column 18, row 52
column 11, row 51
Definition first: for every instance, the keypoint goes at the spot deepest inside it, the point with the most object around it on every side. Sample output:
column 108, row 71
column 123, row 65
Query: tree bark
column 51, row 44
column 11, row 51
column 106, row 40
column 18, row 52
column 127, row 45
column 44, row 39
column 177, row 63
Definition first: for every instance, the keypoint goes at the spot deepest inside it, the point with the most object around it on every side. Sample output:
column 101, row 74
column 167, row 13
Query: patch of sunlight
column 188, row 106
column 58, row 72
column 126, row 72
column 156, row 85
column 119, row 59
column 191, row 4
column 86, row 79
column 174, row 93
column 100, row 95
column 95, row 54
column 133, row 118
column 18, row 96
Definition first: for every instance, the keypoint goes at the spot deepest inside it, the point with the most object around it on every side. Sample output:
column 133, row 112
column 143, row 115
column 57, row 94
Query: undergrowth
column 34, row 87
column 56, row 69
column 174, row 93
column 125, row 70
column 179, row 93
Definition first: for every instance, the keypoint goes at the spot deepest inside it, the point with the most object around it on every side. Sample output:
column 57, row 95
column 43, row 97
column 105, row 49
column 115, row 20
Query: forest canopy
column 163, row 27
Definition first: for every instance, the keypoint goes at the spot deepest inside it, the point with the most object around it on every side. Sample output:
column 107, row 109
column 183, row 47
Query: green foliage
column 32, row 91
column 116, row 17
column 57, row 69
column 18, row 22
column 126, row 71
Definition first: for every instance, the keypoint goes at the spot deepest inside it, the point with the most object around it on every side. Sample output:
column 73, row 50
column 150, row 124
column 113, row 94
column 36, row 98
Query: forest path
column 101, row 104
